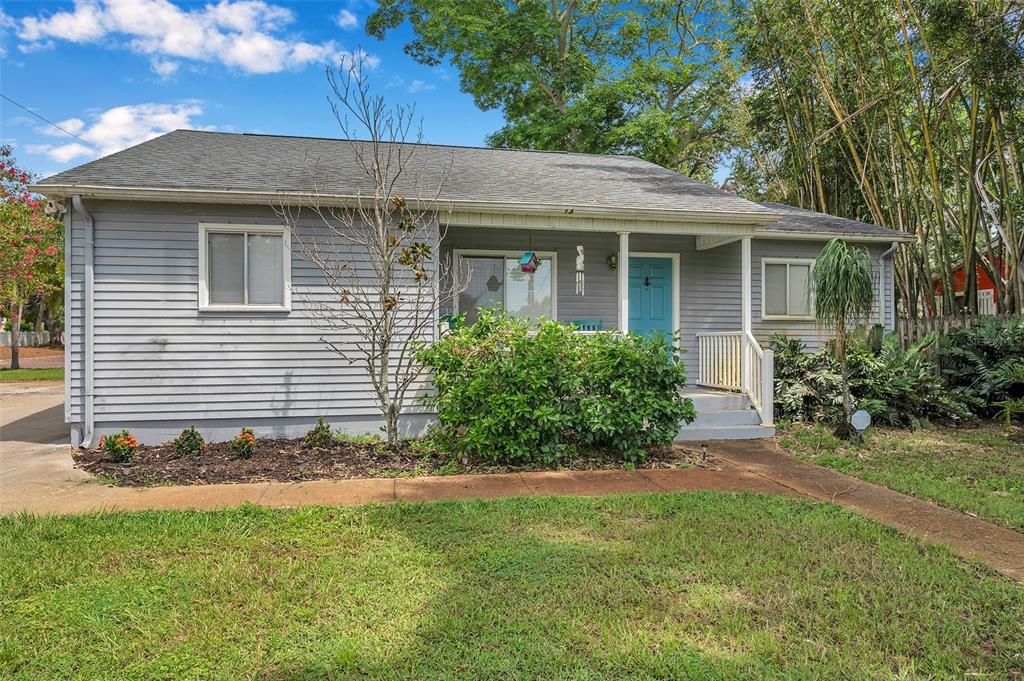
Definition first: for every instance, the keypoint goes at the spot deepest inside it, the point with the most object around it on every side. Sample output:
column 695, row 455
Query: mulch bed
column 282, row 460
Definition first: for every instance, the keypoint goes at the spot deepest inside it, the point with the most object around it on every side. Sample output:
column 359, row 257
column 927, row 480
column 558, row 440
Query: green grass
column 701, row 585
column 7, row 375
column 978, row 471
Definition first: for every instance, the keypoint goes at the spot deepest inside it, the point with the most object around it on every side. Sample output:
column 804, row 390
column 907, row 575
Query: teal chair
column 453, row 321
column 588, row 324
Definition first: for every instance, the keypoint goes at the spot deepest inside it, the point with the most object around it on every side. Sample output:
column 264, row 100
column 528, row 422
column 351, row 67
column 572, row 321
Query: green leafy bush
column 984, row 364
column 189, row 443
column 244, row 443
column 512, row 392
column 319, row 435
column 897, row 387
column 120, row 446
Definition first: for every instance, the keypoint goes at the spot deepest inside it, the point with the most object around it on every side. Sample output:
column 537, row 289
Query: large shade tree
column 655, row 78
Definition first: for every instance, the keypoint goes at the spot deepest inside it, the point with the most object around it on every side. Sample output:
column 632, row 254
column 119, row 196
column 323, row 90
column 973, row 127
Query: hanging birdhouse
column 528, row 262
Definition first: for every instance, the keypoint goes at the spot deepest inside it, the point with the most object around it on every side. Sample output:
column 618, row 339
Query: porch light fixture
column 528, row 262
column 613, row 261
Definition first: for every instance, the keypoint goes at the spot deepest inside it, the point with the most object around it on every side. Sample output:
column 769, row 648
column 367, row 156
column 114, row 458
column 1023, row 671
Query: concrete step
column 726, row 417
column 718, row 401
column 695, row 433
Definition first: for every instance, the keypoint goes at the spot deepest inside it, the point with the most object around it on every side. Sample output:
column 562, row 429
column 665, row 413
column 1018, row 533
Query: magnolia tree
column 31, row 260
column 376, row 250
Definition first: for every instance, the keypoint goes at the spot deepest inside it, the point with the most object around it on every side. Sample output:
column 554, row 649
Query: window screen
column 497, row 281
column 245, row 268
column 786, row 289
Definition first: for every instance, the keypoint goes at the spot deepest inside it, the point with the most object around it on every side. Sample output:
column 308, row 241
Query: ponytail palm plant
column 841, row 284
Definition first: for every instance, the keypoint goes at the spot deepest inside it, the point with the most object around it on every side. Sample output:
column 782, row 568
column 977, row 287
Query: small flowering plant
column 120, row 446
column 189, row 443
column 244, row 443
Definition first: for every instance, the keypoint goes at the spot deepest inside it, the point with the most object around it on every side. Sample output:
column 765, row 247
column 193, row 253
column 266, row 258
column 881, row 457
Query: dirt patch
column 31, row 351
column 281, row 460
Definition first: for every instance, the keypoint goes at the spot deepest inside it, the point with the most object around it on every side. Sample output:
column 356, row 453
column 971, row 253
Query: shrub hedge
column 515, row 392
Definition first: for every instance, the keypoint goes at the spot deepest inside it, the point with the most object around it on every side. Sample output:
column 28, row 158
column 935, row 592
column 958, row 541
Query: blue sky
column 117, row 72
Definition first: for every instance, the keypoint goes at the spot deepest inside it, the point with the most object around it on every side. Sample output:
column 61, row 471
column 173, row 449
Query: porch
column 696, row 285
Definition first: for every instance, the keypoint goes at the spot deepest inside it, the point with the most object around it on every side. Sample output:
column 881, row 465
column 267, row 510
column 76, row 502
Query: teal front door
column 650, row 296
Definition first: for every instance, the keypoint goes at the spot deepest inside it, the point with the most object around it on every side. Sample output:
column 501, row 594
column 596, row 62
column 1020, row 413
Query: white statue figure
column 579, row 270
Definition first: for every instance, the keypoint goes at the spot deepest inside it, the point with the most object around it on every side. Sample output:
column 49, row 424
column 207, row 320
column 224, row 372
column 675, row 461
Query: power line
column 49, row 122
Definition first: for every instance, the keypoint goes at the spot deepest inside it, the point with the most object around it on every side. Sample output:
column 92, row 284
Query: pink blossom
column 51, row 250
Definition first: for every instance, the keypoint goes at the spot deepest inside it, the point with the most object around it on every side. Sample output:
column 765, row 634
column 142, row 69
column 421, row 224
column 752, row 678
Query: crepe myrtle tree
column 31, row 259
column 376, row 249
column 841, row 284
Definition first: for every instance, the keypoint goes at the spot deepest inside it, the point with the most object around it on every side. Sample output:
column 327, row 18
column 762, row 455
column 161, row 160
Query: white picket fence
column 27, row 338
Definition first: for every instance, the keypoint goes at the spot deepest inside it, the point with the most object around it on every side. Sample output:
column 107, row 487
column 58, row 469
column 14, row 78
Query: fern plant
column 985, row 365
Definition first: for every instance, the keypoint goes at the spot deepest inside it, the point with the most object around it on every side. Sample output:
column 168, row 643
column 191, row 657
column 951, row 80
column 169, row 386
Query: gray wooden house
column 186, row 300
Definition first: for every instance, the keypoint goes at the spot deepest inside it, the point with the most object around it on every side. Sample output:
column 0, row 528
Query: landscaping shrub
column 984, row 364
column 897, row 387
column 516, row 392
column 243, row 443
column 319, row 435
column 120, row 446
column 189, row 443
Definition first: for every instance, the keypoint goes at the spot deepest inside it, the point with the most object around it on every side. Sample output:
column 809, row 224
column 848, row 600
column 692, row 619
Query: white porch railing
column 734, row 360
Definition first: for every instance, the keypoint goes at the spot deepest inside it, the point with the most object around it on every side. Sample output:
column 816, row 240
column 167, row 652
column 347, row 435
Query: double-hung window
column 785, row 288
column 244, row 267
column 495, row 279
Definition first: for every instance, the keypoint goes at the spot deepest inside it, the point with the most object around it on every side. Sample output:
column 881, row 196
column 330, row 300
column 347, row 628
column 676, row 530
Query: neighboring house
column 158, row 231
column 988, row 295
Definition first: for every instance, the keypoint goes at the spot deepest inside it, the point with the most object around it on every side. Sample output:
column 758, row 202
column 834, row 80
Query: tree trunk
column 40, row 314
column 15, row 334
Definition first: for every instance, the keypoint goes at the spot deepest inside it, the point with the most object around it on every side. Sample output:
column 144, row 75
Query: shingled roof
column 801, row 220
column 248, row 165
column 192, row 160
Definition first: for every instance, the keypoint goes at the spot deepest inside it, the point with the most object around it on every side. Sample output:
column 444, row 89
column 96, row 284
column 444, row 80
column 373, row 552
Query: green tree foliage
column 904, row 114
column 654, row 78
column 842, row 291
column 985, row 364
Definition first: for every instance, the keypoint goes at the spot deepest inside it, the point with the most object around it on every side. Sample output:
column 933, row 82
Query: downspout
column 881, row 284
column 85, row 432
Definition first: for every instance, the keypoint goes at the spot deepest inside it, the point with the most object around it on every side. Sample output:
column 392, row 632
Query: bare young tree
column 376, row 245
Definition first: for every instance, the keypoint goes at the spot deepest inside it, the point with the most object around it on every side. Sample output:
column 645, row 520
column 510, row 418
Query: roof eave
column 825, row 235
column 754, row 217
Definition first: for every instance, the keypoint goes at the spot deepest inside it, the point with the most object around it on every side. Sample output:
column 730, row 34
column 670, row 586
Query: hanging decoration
column 528, row 262
column 579, row 270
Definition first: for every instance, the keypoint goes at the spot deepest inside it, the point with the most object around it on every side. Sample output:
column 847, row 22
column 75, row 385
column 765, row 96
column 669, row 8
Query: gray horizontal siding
column 160, row 363
column 159, row 359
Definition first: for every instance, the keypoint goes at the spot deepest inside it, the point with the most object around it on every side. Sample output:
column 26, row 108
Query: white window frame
column 207, row 228
column 458, row 253
column 784, row 261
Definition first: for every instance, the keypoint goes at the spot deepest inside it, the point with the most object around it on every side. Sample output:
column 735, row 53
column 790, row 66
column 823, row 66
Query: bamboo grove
column 905, row 114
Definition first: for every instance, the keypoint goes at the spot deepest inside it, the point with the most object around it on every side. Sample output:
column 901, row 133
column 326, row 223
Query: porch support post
column 623, row 282
column 745, row 312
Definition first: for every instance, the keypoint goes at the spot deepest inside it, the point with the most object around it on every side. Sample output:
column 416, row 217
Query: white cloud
column 346, row 19
column 6, row 24
column 165, row 68
column 116, row 129
column 420, row 86
column 245, row 34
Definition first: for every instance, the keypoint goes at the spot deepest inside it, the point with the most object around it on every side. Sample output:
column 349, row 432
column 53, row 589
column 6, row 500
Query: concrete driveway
column 36, row 468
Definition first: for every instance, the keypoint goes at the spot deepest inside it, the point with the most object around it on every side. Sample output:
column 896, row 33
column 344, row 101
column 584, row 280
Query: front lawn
column 976, row 470
column 11, row 375
column 699, row 585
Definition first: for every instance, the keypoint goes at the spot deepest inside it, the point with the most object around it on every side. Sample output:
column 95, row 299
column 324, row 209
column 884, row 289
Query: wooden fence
column 913, row 329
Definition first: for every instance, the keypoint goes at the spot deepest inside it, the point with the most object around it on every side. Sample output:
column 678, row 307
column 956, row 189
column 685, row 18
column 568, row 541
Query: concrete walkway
column 996, row 546
column 37, row 475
